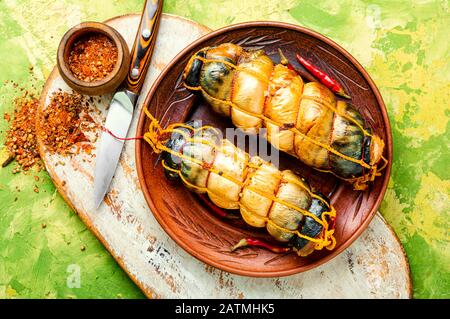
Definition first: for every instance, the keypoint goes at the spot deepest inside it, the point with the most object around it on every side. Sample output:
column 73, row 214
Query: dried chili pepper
column 253, row 242
column 324, row 78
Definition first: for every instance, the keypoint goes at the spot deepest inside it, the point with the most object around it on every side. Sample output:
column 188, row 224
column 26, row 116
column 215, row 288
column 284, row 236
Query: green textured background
column 403, row 45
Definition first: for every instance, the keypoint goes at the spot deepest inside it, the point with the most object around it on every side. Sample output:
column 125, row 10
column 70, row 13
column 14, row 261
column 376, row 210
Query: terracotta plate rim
column 386, row 175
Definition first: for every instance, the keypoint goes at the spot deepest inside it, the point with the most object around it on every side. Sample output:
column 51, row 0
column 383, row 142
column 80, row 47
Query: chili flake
column 63, row 122
column 21, row 136
column 93, row 57
column 6, row 117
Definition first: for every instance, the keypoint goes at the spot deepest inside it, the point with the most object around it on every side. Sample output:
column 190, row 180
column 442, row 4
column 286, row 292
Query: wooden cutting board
column 375, row 266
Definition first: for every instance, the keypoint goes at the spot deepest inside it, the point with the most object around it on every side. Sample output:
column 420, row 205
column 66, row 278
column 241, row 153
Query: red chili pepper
column 253, row 242
column 324, row 78
column 285, row 61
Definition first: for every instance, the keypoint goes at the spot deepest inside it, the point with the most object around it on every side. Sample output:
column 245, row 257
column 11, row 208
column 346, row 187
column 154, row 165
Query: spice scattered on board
column 64, row 123
column 93, row 57
column 21, row 136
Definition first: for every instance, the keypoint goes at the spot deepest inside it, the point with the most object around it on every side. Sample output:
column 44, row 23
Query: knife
column 121, row 109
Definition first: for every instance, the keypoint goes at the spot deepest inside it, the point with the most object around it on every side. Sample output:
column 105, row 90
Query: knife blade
column 117, row 122
column 120, row 113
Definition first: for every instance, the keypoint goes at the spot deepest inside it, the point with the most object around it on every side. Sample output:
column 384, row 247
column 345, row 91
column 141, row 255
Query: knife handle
column 143, row 46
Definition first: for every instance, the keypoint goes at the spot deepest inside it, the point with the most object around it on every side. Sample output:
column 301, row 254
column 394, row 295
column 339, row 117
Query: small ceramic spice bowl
column 93, row 58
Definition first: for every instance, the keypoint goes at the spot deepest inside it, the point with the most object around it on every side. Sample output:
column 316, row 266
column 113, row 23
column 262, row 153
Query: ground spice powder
column 93, row 57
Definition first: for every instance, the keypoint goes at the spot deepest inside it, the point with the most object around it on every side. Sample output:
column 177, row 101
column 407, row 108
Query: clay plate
column 190, row 223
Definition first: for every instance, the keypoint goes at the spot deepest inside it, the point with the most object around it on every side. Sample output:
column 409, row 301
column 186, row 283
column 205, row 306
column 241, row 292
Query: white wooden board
column 373, row 267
